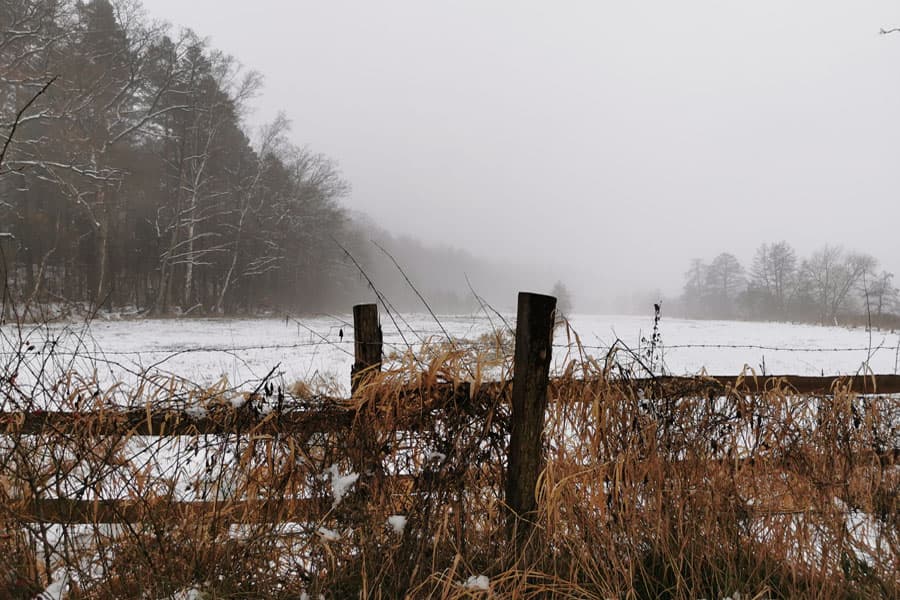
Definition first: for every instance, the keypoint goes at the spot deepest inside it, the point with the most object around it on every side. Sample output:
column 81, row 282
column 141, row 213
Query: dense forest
column 130, row 180
column 830, row 286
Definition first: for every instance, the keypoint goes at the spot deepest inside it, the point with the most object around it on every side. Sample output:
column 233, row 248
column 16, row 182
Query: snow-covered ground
column 244, row 350
column 726, row 347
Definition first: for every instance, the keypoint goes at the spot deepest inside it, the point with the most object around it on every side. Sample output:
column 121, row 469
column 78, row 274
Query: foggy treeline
column 832, row 285
column 133, row 180
column 449, row 278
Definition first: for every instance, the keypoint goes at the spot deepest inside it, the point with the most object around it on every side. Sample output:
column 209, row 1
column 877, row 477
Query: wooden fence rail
column 332, row 417
column 168, row 423
column 74, row 511
column 529, row 394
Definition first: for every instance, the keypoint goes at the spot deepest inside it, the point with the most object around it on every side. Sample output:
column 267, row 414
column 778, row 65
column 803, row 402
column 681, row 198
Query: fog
column 608, row 142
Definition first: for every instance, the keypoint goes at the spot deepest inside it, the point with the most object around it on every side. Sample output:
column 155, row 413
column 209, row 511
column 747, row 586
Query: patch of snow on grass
column 193, row 593
column 196, row 412
column 340, row 484
column 57, row 587
column 329, row 535
column 397, row 522
column 478, row 582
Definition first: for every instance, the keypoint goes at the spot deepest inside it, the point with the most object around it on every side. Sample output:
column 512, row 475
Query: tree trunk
column 103, row 253
column 189, row 267
column 229, row 277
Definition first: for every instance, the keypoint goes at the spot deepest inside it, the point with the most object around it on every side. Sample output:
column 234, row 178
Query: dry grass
column 680, row 493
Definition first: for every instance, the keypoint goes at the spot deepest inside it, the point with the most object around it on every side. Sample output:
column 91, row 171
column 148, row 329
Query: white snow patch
column 477, row 582
column 196, row 412
column 193, row 593
column 57, row 587
column 397, row 522
column 329, row 535
column 340, row 484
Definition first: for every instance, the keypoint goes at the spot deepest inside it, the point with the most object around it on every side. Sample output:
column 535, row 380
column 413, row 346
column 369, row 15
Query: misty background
column 614, row 141
column 608, row 146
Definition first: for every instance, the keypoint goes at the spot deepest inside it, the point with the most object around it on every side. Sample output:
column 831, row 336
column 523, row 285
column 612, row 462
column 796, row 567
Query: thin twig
column 484, row 303
column 378, row 294
column 413, row 287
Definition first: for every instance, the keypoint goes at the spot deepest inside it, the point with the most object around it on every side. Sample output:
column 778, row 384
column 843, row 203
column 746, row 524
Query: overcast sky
column 619, row 139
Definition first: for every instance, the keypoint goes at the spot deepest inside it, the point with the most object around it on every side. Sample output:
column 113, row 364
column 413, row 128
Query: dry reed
column 648, row 492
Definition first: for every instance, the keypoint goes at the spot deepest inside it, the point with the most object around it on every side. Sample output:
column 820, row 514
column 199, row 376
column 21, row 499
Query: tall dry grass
column 648, row 491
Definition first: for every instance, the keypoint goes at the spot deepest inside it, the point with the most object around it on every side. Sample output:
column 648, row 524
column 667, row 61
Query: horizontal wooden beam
column 281, row 510
column 70, row 511
column 337, row 418
column 872, row 384
column 301, row 510
column 172, row 423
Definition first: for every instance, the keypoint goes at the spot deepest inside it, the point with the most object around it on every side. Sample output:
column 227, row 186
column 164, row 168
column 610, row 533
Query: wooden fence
column 530, row 384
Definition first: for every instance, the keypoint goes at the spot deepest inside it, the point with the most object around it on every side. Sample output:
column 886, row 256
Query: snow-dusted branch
column 19, row 116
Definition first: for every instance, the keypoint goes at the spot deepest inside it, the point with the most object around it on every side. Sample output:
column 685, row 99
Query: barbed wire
column 341, row 344
column 90, row 348
column 741, row 347
column 77, row 347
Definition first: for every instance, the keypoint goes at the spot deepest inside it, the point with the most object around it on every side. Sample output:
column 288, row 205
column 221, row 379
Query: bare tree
column 774, row 275
column 725, row 280
column 883, row 293
column 829, row 277
column 563, row 298
column 695, row 288
column 247, row 201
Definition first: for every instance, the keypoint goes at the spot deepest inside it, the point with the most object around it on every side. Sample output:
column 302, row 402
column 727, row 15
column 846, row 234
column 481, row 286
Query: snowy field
column 245, row 350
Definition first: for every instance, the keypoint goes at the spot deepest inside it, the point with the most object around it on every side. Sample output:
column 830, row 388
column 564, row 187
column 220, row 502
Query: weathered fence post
column 531, row 374
column 366, row 344
column 362, row 444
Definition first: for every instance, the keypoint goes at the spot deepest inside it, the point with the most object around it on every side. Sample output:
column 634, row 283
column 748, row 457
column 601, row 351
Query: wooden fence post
column 531, row 374
column 366, row 344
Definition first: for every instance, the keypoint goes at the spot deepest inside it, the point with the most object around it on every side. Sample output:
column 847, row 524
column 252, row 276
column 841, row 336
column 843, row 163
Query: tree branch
column 19, row 117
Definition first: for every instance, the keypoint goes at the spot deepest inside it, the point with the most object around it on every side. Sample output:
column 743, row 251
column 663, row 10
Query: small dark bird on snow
column 341, row 334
